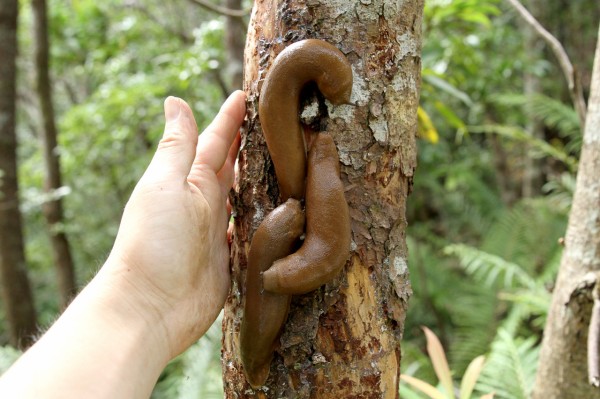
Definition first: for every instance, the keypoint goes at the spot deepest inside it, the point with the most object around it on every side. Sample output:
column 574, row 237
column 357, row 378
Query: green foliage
column 510, row 369
column 113, row 64
column 508, row 252
column 560, row 190
column 540, row 148
column 8, row 355
column 489, row 269
column 196, row 374
column 552, row 113
column 456, row 13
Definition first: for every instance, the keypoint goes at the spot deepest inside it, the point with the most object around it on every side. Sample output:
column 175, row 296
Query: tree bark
column 562, row 369
column 53, row 210
column 343, row 339
column 16, row 292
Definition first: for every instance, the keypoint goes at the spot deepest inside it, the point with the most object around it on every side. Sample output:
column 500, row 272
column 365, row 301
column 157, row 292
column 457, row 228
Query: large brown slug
column 265, row 312
column 327, row 243
column 278, row 107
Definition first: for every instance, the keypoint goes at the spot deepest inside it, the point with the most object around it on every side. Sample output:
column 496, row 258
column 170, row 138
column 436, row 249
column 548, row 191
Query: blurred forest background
column 498, row 152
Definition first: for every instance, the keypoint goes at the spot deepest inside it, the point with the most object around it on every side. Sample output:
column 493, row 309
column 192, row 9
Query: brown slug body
column 266, row 312
column 300, row 63
column 327, row 243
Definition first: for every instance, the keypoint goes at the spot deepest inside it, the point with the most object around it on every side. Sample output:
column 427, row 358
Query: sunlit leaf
column 422, row 386
column 426, row 128
column 438, row 359
column 448, row 88
column 470, row 378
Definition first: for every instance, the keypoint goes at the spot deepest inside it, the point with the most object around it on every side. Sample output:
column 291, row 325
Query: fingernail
column 172, row 109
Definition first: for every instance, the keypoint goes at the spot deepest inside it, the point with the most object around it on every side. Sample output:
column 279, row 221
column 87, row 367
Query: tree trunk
column 531, row 184
column 235, row 36
column 343, row 339
column 53, row 210
column 562, row 369
column 16, row 293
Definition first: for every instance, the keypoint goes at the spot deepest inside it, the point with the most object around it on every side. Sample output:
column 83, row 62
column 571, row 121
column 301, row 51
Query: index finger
column 214, row 143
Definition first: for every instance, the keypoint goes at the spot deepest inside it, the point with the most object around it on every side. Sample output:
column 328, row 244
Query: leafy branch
column 573, row 80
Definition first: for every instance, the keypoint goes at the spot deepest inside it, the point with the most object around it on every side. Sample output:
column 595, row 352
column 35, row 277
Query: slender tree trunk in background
column 562, row 369
column 235, row 38
column 532, row 181
column 53, row 210
column 16, row 293
column 509, row 192
column 342, row 340
column 574, row 24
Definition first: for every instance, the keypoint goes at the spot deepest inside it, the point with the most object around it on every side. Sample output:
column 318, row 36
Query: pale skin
column 164, row 282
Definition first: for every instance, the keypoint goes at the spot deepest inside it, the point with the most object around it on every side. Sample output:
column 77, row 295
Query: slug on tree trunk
column 302, row 62
column 265, row 312
column 327, row 243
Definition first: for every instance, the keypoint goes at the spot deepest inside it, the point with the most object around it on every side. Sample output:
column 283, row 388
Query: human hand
column 170, row 260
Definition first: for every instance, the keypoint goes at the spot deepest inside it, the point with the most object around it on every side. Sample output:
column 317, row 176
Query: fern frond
column 561, row 190
column 488, row 268
column 556, row 114
column 511, row 366
column 533, row 304
column 474, row 317
column 541, row 147
column 551, row 112
column 527, row 234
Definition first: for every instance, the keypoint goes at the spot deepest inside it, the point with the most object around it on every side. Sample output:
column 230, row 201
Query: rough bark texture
column 562, row 369
column 342, row 340
column 16, row 293
column 53, row 210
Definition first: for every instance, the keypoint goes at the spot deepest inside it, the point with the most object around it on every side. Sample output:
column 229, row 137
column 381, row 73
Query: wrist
column 126, row 308
column 101, row 347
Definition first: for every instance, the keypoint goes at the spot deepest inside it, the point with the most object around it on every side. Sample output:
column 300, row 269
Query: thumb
column 177, row 147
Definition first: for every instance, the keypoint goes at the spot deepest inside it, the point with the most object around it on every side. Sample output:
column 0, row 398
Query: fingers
column 226, row 175
column 177, row 147
column 215, row 142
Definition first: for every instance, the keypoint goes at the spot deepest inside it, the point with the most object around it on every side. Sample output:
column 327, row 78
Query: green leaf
column 445, row 86
column 518, row 134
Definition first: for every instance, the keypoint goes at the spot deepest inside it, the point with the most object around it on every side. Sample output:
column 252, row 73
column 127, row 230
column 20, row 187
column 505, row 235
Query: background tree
column 562, row 372
column 16, row 293
column 53, row 207
column 342, row 340
column 235, row 35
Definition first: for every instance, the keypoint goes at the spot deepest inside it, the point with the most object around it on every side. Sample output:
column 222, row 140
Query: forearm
column 99, row 348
